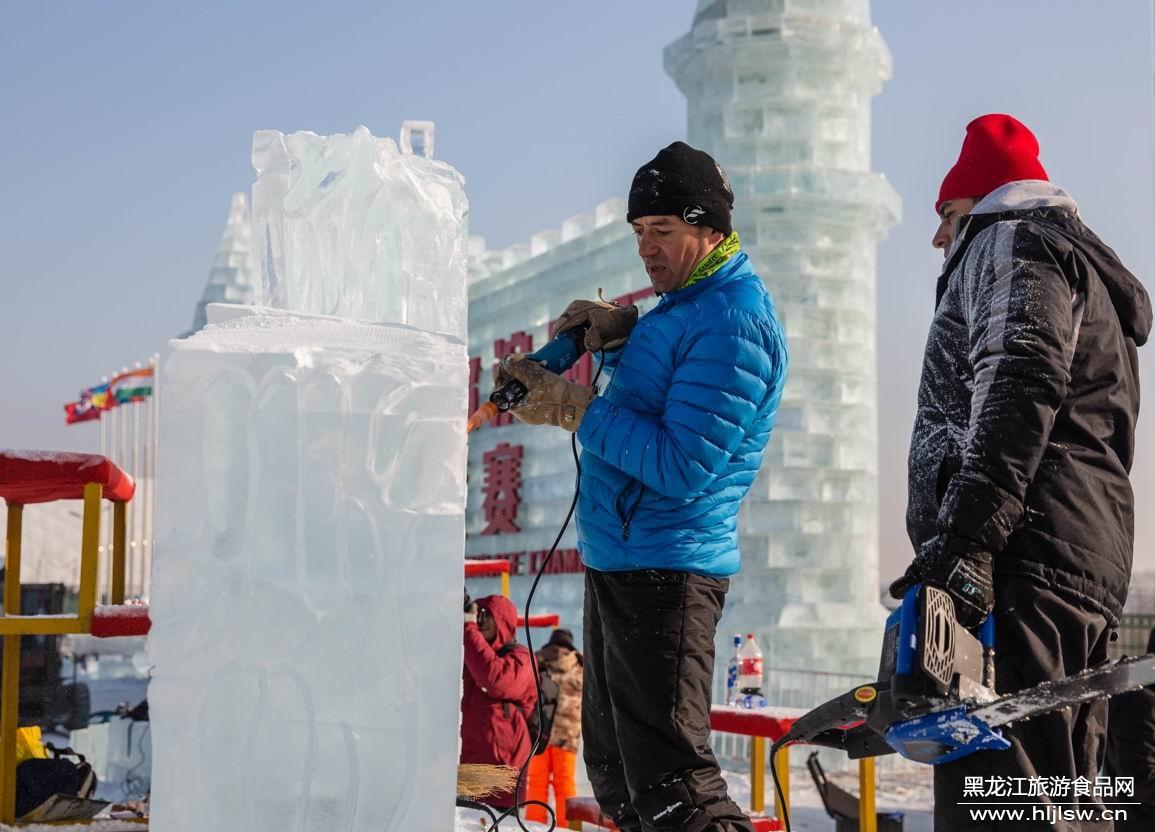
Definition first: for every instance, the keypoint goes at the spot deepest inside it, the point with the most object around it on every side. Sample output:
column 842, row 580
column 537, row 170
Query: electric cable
column 513, row 810
column 778, row 784
column 466, row 803
column 134, row 785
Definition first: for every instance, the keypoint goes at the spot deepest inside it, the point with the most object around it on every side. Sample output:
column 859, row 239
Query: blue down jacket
column 675, row 441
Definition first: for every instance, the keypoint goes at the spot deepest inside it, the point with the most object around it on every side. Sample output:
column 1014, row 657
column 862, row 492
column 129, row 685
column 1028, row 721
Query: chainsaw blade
column 1108, row 680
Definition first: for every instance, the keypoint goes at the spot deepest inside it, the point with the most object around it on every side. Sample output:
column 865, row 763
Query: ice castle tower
column 779, row 92
column 231, row 278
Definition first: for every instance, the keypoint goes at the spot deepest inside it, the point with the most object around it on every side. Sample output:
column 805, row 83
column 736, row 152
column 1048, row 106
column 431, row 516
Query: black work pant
column 649, row 666
column 1131, row 753
column 1040, row 634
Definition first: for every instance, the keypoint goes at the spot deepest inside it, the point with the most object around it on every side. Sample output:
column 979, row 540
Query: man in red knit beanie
column 1019, row 493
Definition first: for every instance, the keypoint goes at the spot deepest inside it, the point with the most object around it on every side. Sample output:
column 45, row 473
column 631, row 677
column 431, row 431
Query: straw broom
column 476, row 781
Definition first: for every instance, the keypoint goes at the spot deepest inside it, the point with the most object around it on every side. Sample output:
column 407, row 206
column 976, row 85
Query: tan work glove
column 609, row 324
column 551, row 399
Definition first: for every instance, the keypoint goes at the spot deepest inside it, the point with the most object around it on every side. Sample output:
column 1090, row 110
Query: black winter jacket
column 1025, row 429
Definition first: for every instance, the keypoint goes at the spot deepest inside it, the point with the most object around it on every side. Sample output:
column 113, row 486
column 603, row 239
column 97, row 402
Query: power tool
column 561, row 353
column 936, row 699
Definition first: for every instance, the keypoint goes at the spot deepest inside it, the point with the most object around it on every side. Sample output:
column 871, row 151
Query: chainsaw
column 937, row 697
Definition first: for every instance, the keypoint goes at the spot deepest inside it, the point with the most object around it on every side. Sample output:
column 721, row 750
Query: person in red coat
column 498, row 691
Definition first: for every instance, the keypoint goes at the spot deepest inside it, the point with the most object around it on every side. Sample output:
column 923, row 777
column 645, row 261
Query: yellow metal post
column 757, row 774
column 12, row 559
column 505, row 583
column 10, row 670
column 119, row 533
column 89, row 555
column 867, row 817
column 782, row 766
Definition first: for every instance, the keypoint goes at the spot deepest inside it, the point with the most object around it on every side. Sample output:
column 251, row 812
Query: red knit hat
column 997, row 149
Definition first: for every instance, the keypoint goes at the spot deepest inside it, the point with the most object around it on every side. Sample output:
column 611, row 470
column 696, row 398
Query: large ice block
column 307, row 585
column 349, row 225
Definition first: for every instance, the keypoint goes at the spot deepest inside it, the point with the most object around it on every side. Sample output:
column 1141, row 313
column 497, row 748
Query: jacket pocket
column 626, row 505
column 946, row 471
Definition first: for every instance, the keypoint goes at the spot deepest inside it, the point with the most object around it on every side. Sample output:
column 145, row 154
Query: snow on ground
column 907, row 788
column 903, row 787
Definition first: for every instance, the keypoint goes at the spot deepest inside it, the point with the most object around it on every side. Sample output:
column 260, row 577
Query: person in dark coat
column 668, row 452
column 1020, row 499
column 1131, row 751
column 498, row 690
column 554, row 765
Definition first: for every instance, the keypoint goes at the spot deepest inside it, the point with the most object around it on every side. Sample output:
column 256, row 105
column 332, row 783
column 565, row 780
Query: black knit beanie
column 561, row 638
column 685, row 182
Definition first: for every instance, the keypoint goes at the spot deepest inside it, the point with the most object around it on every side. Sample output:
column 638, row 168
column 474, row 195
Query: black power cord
column 778, row 785
column 537, row 743
column 466, row 803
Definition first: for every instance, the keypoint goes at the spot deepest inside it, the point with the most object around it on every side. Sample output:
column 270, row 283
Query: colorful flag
column 88, row 406
column 99, row 396
column 81, row 411
column 133, row 386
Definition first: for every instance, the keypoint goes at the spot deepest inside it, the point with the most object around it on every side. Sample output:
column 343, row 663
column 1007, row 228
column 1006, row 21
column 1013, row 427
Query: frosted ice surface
column 349, row 225
column 307, row 586
column 308, row 569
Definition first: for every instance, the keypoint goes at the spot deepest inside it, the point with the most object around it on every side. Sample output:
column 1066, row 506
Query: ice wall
column 307, row 585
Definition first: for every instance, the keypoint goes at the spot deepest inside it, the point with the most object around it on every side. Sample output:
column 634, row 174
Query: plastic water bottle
column 732, row 674
column 750, row 674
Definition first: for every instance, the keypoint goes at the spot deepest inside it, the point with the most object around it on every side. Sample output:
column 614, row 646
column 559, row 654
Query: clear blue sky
column 127, row 125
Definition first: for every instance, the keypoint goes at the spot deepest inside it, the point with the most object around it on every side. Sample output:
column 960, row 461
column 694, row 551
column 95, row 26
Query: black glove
column 958, row 567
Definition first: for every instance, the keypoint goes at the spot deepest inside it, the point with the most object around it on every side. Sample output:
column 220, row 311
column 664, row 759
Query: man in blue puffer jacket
column 669, row 451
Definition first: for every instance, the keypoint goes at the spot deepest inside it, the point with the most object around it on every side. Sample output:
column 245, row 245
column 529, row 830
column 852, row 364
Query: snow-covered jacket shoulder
column 1029, row 395
column 676, row 440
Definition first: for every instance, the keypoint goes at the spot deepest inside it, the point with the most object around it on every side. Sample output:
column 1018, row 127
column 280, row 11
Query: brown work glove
column 609, row 324
column 551, row 399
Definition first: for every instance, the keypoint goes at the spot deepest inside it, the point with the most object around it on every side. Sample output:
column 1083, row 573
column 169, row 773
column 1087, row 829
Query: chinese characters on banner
column 502, row 488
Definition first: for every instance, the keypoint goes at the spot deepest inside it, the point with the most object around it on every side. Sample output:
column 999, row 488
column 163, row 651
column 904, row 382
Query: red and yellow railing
column 36, row 477
column 479, row 568
column 764, row 724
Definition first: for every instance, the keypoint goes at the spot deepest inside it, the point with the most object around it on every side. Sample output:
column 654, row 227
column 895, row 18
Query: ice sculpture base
column 306, row 600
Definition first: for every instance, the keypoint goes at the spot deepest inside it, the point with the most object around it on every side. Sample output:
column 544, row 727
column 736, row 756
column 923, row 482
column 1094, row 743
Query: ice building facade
column 779, row 92
column 232, row 277
column 306, row 597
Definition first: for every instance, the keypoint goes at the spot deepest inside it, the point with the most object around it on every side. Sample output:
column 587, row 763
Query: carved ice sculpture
column 309, row 563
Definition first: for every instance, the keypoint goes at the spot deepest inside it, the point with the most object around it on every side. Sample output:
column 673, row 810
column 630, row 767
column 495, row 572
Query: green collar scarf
column 714, row 260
